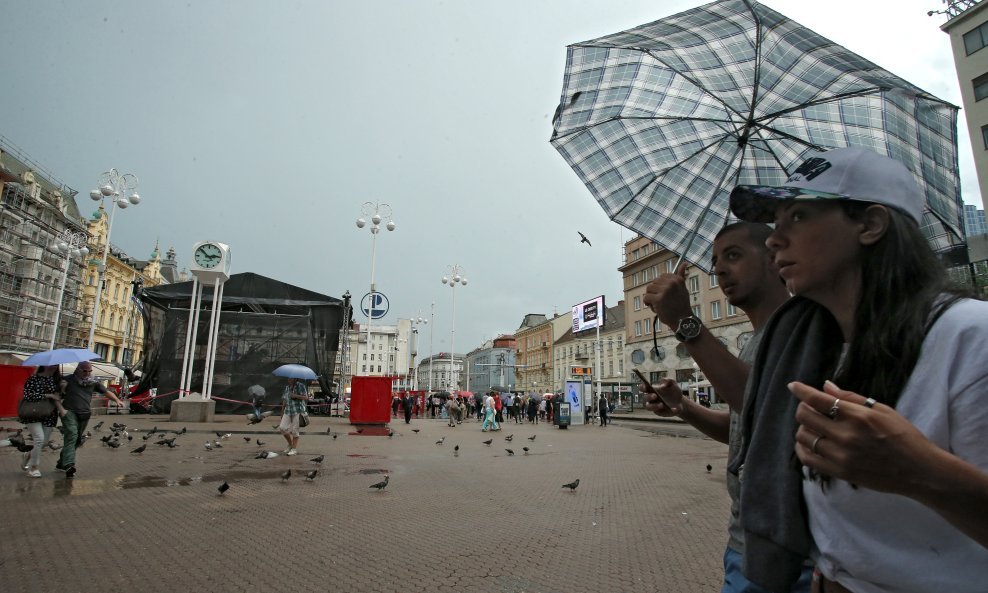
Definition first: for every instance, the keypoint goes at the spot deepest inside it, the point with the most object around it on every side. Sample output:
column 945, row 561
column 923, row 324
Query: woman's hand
column 844, row 435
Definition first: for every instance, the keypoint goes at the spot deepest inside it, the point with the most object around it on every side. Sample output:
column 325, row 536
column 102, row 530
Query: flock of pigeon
column 119, row 433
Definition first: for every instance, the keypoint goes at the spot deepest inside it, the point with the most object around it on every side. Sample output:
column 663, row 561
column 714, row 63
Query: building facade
column 389, row 353
column 974, row 221
column 533, row 354
column 580, row 350
column 492, row 366
column 645, row 261
column 442, row 371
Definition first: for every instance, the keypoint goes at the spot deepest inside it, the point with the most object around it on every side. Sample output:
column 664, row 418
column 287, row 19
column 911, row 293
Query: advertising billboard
column 589, row 314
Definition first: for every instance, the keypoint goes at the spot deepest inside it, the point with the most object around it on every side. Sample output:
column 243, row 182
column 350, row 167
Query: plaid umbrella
column 663, row 120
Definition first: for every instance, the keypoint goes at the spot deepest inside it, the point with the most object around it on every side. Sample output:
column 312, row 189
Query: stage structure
column 261, row 323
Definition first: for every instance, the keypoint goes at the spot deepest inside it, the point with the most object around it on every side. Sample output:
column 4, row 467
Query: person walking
column 749, row 278
column 490, row 413
column 76, row 411
column 451, row 409
column 886, row 361
column 602, row 409
column 294, row 397
column 408, row 405
column 46, row 383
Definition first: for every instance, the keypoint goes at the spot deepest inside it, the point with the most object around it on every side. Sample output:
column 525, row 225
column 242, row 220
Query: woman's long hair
column 904, row 289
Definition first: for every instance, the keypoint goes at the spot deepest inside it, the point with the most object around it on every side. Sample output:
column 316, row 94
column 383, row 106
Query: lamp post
column 431, row 332
column 377, row 213
column 455, row 277
column 72, row 244
column 114, row 185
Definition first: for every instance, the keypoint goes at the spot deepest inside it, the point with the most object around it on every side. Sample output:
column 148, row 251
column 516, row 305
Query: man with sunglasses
column 77, row 397
column 750, row 281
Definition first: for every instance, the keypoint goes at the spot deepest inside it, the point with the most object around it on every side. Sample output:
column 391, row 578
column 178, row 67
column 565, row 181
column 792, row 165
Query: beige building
column 645, row 261
column 968, row 30
column 580, row 350
column 533, row 357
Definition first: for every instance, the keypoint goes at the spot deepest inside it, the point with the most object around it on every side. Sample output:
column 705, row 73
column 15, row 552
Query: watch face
column 689, row 327
column 207, row 256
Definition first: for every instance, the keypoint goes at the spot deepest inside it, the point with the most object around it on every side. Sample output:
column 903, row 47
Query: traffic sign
column 374, row 305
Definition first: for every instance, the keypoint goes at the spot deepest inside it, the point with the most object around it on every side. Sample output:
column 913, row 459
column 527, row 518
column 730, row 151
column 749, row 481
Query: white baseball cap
column 850, row 173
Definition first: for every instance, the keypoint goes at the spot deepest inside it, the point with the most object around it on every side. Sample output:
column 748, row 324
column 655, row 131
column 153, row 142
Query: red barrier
column 12, row 380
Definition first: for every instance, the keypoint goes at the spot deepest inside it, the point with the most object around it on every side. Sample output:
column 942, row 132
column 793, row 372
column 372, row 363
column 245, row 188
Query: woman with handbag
column 41, row 405
column 294, row 415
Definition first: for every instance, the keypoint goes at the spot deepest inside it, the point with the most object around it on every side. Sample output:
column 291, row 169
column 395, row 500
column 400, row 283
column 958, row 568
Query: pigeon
column 416, row 430
column 130, row 438
column 286, row 475
column 170, row 442
column 510, row 452
column 146, row 437
column 391, row 434
column 441, row 441
column 318, row 459
column 247, row 439
column 525, row 449
column 153, row 430
column 218, row 434
column 209, row 446
column 223, row 488
column 329, row 429
column 114, row 444
column 509, row 437
column 488, row 442
column 456, row 450
column 583, row 239
column 265, row 455
column 217, row 445
column 532, row 438
column 381, row 485
column 334, row 436
column 709, row 467
column 360, row 431
column 260, row 443
column 311, row 475
column 184, row 429
column 140, row 449
column 98, row 426
column 572, row 485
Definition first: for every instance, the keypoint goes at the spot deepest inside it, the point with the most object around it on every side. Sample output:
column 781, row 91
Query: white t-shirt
column 873, row 542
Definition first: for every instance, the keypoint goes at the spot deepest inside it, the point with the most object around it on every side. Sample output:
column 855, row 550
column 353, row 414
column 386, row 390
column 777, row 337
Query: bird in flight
column 583, row 239
column 381, row 485
column 416, row 430
column 572, row 485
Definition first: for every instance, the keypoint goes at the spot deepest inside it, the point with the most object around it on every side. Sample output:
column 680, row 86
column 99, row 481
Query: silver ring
column 833, row 409
column 813, row 446
column 870, row 402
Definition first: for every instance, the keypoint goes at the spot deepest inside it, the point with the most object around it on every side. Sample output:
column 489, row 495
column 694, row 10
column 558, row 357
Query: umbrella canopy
column 294, row 371
column 59, row 356
column 662, row 121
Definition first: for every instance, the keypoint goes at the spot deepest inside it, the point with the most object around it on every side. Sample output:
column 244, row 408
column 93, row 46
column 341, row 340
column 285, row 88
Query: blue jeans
column 734, row 581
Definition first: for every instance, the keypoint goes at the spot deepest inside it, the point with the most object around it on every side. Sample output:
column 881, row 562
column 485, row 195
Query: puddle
column 84, row 487
column 372, row 431
column 364, row 456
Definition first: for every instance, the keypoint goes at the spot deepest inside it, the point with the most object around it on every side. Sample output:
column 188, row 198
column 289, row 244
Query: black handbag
column 35, row 411
column 303, row 420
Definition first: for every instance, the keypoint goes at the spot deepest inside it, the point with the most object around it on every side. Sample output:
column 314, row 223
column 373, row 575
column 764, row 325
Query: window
column 638, row 303
column 975, row 39
column 670, row 266
column 638, row 357
column 984, row 136
column 635, row 254
column 715, row 310
column 645, row 250
column 638, row 328
column 363, row 368
column 980, row 85
column 694, row 284
column 634, row 279
column 698, row 312
column 648, row 326
column 714, row 281
column 731, row 310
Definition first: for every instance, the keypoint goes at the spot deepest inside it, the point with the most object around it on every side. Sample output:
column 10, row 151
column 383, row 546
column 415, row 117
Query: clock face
column 208, row 256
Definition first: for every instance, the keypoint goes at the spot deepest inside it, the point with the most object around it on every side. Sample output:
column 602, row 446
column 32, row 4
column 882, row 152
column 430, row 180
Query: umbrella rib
column 743, row 138
column 558, row 138
column 694, row 82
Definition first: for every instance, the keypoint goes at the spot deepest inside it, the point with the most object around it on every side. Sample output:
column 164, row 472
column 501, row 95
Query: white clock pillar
column 210, row 266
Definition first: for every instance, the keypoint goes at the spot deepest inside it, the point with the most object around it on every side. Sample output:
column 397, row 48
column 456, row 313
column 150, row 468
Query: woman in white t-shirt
column 894, row 445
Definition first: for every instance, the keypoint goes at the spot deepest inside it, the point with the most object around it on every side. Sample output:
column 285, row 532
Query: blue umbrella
column 59, row 356
column 294, row 371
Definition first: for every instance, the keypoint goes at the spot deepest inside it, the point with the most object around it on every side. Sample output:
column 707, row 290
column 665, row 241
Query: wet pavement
column 646, row 516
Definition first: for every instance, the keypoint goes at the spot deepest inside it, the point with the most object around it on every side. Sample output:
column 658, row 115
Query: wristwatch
column 688, row 328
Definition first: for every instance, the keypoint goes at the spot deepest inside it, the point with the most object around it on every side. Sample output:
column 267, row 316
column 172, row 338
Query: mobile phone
column 648, row 384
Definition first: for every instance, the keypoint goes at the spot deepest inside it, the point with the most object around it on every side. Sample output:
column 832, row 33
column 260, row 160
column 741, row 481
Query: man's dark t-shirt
column 78, row 396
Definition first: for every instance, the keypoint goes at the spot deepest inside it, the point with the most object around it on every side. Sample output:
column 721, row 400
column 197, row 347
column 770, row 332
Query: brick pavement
column 646, row 517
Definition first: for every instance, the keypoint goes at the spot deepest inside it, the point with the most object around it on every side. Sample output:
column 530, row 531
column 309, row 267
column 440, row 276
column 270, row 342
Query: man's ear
column 874, row 224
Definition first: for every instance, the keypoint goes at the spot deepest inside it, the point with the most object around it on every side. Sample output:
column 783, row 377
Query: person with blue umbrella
column 294, row 397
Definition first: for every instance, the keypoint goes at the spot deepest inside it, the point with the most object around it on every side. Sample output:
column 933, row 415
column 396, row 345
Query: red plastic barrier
column 12, row 380
column 370, row 400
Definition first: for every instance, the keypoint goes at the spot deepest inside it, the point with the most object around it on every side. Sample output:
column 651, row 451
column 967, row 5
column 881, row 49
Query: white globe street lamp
column 117, row 186
column 455, row 277
column 377, row 212
column 72, row 244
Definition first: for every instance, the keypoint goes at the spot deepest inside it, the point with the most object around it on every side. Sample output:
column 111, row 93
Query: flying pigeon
column 572, row 485
column 257, row 418
column 509, row 437
column 318, row 459
column 416, row 430
column 140, row 449
column 488, row 442
column 311, row 475
column 510, row 452
column 223, row 488
column 382, row 485
column 218, row 434
column 583, row 239
column 532, row 438
column 217, row 445
column 286, row 475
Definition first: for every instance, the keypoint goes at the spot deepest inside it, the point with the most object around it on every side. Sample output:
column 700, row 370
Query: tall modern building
column 974, row 221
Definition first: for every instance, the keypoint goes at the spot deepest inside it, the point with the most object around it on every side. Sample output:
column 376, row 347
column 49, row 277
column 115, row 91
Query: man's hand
column 664, row 398
column 668, row 298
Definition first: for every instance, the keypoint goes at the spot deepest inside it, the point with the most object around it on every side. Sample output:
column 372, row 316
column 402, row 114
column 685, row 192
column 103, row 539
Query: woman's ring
column 833, row 409
column 870, row 402
column 813, row 446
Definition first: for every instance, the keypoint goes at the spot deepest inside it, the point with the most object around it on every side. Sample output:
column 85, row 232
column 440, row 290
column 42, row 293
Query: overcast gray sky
column 266, row 125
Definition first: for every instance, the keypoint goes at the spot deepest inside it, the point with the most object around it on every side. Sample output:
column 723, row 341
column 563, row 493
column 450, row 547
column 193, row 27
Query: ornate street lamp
column 455, row 277
column 72, row 244
column 377, row 213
